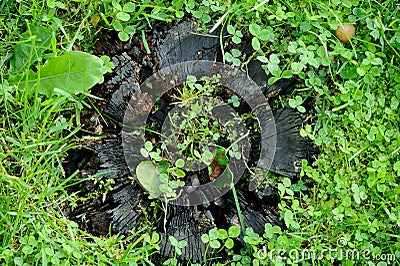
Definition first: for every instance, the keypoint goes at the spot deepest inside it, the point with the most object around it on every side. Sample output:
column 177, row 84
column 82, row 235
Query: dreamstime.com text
column 339, row 253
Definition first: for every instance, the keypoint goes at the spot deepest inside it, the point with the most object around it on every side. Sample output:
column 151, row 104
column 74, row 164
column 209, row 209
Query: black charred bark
column 182, row 43
column 291, row 148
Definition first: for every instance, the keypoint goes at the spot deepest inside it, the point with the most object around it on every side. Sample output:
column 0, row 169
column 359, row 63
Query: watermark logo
column 342, row 251
column 341, row 242
column 142, row 102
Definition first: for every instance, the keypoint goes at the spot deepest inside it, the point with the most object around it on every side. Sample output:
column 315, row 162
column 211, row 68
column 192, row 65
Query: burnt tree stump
column 125, row 203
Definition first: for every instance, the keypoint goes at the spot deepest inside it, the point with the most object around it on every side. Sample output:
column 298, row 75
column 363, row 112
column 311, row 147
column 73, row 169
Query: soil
column 123, row 208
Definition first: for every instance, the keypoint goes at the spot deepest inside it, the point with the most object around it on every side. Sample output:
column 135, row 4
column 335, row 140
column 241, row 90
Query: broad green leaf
column 213, row 234
column 303, row 133
column 129, row 7
column 216, row 136
column 355, row 188
column 349, row 72
column 273, row 80
column 164, row 178
column 235, row 147
column 162, row 166
column 123, row 36
column 178, row 251
column 130, row 30
column 231, row 29
column 236, row 62
column 362, row 70
column 376, row 61
column 274, row 59
column 297, row 67
column 206, row 18
column 148, row 145
column 182, row 243
column 174, row 241
column 234, row 231
column 177, row 4
column 173, row 184
column 266, row 34
column 396, row 167
column 196, row 153
column 236, row 39
column 221, row 157
column 293, row 103
column 27, row 52
column 301, row 109
column 222, row 234
column 197, row 14
column 205, row 238
column 236, row 53
column 235, row 101
column 155, row 237
column 180, row 163
column 116, row 5
column 254, row 29
column 305, row 26
column 228, row 57
column 144, row 152
column 287, row 74
column 292, row 47
column 53, row 4
column 288, row 217
column 27, row 250
column 179, row 14
column 286, row 182
column 149, row 178
column 155, row 155
column 179, row 173
column 271, row 230
column 215, row 244
column 255, row 43
column 123, row 16
column 108, row 65
column 229, row 243
column 73, row 72
column 274, row 69
column 118, row 26
column 207, row 156
column 163, row 188
column 262, row 59
column 313, row 62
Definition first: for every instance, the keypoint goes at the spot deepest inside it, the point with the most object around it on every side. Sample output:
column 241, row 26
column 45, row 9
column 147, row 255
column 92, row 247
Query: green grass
column 34, row 138
column 355, row 113
column 35, row 134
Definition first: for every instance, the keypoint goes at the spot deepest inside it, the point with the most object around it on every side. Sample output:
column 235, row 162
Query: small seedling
column 179, row 245
column 217, row 238
column 237, row 35
column 259, row 35
column 233, row 57
column 234, row 100
column 297, row 103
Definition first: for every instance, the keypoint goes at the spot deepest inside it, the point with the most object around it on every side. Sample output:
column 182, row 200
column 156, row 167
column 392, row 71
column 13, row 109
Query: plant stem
column 241, row 221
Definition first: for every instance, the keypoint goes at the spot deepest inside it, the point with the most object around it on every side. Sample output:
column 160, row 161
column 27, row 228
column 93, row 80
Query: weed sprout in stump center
column 194, row 144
